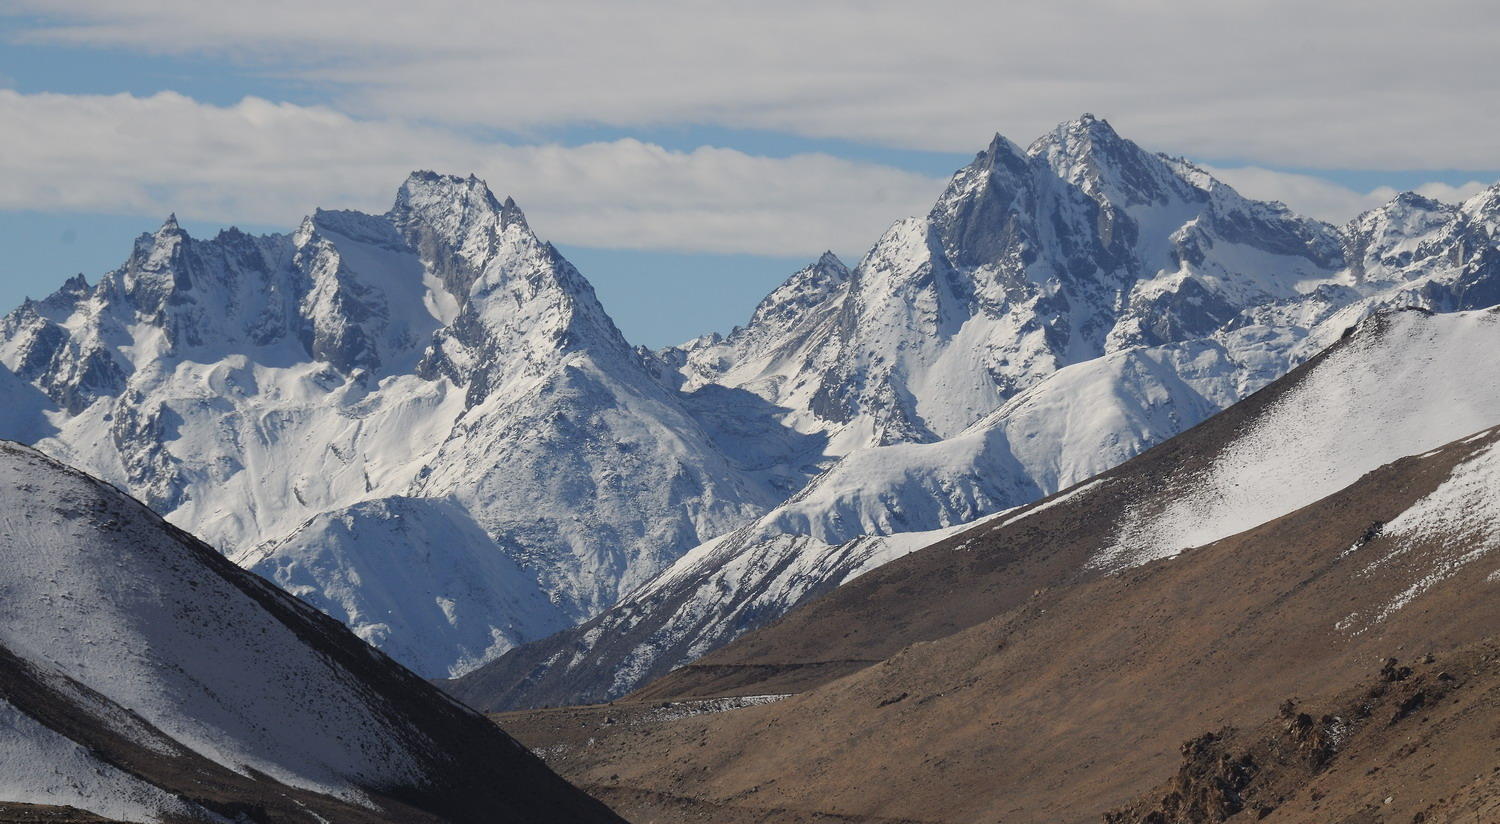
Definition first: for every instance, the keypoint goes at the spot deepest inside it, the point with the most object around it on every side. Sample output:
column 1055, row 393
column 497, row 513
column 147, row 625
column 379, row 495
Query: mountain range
column 425, row 424
column 1096, row 393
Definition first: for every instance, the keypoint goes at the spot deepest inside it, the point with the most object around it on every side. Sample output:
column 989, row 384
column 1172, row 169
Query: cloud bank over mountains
column 1347, row 86
column 273, row 162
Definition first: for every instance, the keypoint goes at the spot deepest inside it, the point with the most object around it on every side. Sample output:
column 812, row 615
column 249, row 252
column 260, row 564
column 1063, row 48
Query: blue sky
column 687, row 167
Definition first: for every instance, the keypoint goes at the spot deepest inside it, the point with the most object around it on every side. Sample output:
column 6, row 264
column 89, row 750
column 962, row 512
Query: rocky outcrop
column 1231, row 775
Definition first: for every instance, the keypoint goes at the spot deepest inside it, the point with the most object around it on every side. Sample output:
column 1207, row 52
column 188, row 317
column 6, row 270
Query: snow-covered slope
column 139, row 664
column 1403, row 383
column 39, row 765
column 357, row 564
column 23, row 417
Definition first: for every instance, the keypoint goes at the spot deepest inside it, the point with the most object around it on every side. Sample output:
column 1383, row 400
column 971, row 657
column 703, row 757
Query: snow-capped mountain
column 1031, row 260
column 1093, row 299
column 373, row 408
column 145, row 678
column 440, row 357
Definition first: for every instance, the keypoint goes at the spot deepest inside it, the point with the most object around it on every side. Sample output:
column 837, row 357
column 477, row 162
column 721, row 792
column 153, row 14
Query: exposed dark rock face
column 1246, row 776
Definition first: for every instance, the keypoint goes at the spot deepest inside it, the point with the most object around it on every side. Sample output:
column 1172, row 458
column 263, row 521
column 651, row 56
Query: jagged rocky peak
column 1031, row 259
column 1080, row 137
column 170, row 227
column 830, row 262
column 1087, row 143
column 233, row 287
column 780, row 324
column 456, row 224
column 431, row 193
column 354, row 225
column 160, row 245
column 509, row 288
column 155, row 270
column 510, row 215
column 1001, row 166
column 74, row 289
column 1079, row 191
column 807, row 288
column 976, row 215
column 54, row 307
column 1142, row 194
column 1385, row 243
column 367, row 306
column 1407, row 212
column 515, row 304
column 497, row 281
column 1002, row 158
column 1090, row 154
column 1485, row 208
column 1440, row 256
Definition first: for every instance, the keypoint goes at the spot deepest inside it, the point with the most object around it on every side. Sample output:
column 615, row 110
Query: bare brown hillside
column 1423, row 731
column 1076, row 696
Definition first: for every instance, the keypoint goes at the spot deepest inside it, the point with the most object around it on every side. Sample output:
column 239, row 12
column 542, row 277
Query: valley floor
column 569, row 737
column 1413, row 743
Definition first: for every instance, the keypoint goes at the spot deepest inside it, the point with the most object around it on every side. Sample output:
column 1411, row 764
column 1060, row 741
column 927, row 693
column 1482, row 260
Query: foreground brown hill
column 144, row 678
column 1040, row 668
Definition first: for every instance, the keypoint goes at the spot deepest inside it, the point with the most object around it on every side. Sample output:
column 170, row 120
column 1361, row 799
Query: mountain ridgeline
column 425, row 424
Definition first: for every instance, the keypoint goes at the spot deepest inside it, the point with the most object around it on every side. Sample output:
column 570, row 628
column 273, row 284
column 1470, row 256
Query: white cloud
column 1324, row 199
column 1336, row 84
column 263, row 162
column 271, row 163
